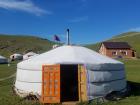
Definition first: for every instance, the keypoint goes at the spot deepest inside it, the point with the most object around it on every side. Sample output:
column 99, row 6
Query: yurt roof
column 30, row 53
column 17, row 54
column 2, row 57
column 67, row 55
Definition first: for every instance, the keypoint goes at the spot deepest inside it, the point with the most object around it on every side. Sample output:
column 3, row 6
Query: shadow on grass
column 134, row 88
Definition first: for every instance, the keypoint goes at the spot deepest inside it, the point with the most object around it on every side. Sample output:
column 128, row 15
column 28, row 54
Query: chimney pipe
column 68, row 37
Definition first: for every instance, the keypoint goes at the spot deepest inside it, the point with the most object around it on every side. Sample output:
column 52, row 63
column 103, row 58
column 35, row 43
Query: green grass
column 8, row 98
column 6, row 71
column 133, row 70
column 94, row 47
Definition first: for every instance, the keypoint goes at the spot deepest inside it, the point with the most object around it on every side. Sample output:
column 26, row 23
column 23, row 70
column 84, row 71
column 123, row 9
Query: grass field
column 8, row 98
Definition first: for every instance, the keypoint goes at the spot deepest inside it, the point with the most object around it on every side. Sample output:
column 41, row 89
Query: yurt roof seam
column 28, row 81
column 91, row 69
column 102, row 95
column 104, row 70
column 107, row 81
column 29, row 69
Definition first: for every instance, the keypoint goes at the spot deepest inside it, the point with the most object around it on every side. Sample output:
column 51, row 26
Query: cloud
column 79, row 19
column 134, row 29
column 23, row 5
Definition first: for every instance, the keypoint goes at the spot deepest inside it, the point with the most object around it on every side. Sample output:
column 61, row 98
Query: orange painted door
column 51, row 84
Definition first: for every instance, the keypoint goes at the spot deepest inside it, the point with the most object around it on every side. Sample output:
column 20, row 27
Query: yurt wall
column 3, row 60
column 104, row 78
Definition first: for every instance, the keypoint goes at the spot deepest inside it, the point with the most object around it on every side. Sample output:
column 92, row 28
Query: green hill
column 10, row 44
column 133, row 38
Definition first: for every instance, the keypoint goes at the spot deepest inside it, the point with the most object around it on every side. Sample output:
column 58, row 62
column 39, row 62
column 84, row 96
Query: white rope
column 5, row 78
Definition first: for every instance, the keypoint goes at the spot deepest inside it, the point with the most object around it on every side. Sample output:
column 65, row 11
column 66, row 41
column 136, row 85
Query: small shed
column 117, row 50
column 69, row 73
column 3, row 60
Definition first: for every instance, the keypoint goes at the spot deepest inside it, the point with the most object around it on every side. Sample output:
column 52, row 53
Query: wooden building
column 117, row 50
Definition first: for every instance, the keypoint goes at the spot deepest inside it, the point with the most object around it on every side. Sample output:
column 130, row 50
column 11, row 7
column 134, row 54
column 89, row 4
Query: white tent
column 3, row 60
column 104, row 74
column 29, row 55
column 16, row 56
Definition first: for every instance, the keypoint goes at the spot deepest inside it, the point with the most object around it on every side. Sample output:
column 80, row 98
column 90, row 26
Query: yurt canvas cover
column 3, row 60
column 29, row 55
column 16, row 56
column 103, row 74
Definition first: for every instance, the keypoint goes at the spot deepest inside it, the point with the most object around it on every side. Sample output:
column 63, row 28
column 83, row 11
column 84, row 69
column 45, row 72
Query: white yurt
column 55, row 46
column 3, row 60
column 29, row 55
column 69, row 73
column 16, row 56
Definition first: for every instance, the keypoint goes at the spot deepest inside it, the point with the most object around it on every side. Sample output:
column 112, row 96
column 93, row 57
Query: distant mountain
column 10, row 44
column 133, row 38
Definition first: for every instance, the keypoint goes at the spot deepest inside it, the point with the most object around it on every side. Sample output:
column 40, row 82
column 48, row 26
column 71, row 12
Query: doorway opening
column 133, row 54
column 69, row 83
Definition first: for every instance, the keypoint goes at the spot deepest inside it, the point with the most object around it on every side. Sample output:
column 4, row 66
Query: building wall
column 124, row 53
column 102, row 50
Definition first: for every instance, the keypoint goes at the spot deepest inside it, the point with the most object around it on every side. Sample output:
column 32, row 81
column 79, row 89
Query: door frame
column 82, row 83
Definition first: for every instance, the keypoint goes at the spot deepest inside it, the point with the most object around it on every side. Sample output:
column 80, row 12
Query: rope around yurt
column 5, row 78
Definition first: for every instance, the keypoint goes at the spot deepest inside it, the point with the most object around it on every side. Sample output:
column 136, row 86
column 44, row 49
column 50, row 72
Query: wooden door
column 82, row 83
column 51, row 84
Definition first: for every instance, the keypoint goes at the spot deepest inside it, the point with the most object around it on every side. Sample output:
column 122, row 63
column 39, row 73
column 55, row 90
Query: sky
column 89, row 21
